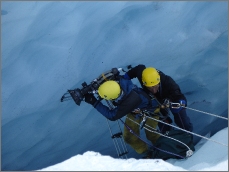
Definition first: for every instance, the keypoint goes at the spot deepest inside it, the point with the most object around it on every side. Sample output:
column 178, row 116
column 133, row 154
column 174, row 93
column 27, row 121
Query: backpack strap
column 144, row 94
column 153, row 104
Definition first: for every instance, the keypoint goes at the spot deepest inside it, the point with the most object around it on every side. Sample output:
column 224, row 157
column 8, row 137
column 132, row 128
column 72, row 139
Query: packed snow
column 50, row 47
column 209, row 156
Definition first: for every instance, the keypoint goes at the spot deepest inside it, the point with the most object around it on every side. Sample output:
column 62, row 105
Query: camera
column 79, row 94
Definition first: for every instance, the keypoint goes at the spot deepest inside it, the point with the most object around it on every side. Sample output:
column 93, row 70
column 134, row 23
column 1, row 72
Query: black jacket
column 168, row 89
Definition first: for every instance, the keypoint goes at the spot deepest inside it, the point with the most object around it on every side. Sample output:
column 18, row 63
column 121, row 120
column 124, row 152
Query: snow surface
column 49, row 47
column 204, row 159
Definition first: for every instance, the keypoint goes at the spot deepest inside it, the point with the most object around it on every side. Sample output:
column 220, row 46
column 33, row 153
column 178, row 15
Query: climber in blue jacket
column 127, row 99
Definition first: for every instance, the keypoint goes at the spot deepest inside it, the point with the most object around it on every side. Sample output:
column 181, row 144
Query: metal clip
column 142, row 124
column 189, row 153
column 166, row 104
column 175, row 105
column 138, row 110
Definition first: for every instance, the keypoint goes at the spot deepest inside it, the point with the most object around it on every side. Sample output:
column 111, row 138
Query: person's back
column 130, row 98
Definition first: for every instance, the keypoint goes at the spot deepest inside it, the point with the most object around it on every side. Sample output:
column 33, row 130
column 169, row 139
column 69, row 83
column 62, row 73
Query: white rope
column 189, row 132
column 206, row 113
column 178, row 105
column 179, row 129
column 158, row 132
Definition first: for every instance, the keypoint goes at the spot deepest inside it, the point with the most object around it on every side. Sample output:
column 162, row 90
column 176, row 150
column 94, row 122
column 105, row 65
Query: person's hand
column 90, row 99
column 182, row 102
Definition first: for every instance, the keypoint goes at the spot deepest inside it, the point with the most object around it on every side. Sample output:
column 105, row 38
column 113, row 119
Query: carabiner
column 175, row 105
column 142, row 124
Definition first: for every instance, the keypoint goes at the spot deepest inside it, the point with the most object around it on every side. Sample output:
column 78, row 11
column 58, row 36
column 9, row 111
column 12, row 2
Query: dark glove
column 90, row 99
column 182, row 104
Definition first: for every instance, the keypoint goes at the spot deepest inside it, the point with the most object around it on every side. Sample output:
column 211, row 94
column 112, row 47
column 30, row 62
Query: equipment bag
column 168, row 148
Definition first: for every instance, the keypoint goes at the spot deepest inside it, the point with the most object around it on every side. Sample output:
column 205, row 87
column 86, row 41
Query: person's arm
column 174, row 94
column 131, row 102
column 106, row 112
column 172, row 90
column 136, row 72
column 127, row 105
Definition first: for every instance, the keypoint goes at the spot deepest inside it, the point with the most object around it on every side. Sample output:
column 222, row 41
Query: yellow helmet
column 150, row 77
column 109, row 90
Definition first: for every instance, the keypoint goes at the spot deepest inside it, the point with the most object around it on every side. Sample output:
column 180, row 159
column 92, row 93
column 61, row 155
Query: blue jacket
column 132, row 98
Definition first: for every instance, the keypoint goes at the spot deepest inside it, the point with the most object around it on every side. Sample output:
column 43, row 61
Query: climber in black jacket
column 163, row 87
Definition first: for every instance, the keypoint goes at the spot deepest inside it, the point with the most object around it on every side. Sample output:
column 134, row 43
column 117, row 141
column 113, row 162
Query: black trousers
column 181, row 119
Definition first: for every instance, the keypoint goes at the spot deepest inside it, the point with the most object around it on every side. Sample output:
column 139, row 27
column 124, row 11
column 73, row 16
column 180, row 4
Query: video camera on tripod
column 79, row 94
